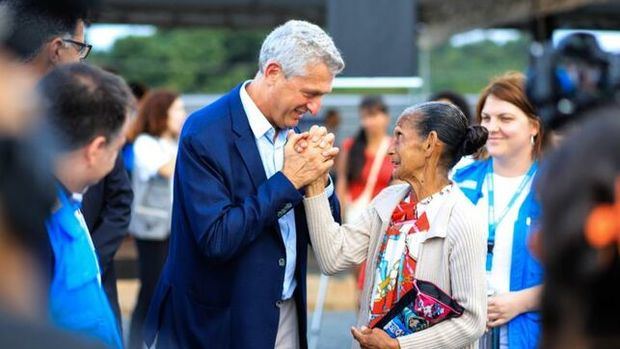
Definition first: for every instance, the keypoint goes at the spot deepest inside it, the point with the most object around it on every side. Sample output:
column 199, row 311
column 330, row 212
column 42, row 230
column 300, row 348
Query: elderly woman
column 422, row 230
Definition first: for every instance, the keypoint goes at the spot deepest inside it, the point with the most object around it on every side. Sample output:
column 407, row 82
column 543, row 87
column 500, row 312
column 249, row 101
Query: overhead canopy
column 441, row 19
column 438, row 19
column 223, row 13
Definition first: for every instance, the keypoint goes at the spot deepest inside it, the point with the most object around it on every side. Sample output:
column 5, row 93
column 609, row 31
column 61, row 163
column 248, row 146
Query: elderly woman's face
column 407, row 152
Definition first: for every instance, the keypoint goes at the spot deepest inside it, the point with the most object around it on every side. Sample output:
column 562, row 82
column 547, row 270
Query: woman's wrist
column 529, row 299
column 316, row 188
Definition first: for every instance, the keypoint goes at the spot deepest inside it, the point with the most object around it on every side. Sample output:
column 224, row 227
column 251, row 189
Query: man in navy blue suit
column 236, row 273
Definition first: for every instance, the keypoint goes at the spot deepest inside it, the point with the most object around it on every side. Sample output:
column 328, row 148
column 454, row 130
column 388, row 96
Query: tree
column 187, row 60
column 468, row 68
column 215, row 60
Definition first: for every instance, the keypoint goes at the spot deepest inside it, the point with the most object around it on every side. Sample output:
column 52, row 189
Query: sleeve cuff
column 286, row 188
column 329, row 189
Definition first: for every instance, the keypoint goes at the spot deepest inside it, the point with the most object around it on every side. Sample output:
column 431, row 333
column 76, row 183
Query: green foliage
column 215, row 60
column 187, row 60
column 467, row 69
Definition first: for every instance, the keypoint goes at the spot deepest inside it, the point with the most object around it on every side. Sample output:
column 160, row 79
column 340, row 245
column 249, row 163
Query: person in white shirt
column 155, row 135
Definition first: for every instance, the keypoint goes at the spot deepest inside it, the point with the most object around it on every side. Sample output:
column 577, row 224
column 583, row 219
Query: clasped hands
column 308, row 156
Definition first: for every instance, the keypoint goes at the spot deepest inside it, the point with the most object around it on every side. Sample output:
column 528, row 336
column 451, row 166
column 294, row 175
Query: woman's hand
column 374, row 338
column 504, row 307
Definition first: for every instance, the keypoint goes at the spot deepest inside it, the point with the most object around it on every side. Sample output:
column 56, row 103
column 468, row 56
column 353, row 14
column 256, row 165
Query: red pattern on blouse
column 404, row 212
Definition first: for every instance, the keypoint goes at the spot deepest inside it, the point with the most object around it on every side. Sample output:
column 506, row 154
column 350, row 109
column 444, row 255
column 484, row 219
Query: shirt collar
column 258, row 122
column 75, row 198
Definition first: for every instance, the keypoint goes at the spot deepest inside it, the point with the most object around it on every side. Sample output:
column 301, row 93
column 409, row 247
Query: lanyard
column 493, row 221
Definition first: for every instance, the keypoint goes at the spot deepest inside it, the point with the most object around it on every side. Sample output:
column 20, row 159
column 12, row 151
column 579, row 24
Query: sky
column 498, row 35
column 102, row 36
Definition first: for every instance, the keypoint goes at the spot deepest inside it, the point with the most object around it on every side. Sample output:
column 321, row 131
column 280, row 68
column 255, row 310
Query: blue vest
column 77, row 300
column 525, row 270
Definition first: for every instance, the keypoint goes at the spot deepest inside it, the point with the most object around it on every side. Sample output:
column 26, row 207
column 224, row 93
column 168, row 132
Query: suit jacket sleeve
column 222, row 225
column 112, row 221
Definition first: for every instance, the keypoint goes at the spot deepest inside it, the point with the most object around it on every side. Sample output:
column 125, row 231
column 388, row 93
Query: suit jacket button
column 281, row 262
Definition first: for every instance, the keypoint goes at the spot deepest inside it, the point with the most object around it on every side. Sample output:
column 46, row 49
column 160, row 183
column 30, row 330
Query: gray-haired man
column 236, row 273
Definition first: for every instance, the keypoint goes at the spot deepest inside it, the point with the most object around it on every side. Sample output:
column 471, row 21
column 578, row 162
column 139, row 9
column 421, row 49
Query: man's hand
column 374, row 338
column 304, row 167
column 318, row 137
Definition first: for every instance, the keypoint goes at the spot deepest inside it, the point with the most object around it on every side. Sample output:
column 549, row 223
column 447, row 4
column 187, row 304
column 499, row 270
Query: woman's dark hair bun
column 474, row 139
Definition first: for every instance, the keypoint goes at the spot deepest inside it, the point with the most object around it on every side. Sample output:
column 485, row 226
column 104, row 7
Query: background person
column 364, row 168
column 26, row 199
column 457, row 99
column 52, row 34
column 461, row 102
column 155, row 137
column 86, row 109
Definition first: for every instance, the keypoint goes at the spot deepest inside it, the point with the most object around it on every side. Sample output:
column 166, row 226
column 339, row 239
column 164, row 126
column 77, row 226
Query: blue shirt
column 78, row 302
column 271, row 149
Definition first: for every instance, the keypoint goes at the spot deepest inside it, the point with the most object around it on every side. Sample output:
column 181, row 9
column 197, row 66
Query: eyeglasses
column 83, row 49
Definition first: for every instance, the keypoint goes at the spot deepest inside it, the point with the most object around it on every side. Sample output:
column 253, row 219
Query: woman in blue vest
column 499, row 184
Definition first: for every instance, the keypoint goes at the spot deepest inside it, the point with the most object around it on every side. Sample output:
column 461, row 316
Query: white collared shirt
column 271, row 149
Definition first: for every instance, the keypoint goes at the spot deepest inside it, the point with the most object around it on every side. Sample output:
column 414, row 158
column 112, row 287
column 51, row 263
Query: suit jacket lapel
column 246, row 145
column 245, row 141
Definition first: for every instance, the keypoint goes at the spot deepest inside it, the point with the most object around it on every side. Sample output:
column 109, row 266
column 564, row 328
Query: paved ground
column 334, row 333
column 335, row 327
column 339, row 308
column 335, row 330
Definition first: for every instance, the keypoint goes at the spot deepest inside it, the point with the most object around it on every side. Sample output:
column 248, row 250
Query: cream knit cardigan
column 452, row 256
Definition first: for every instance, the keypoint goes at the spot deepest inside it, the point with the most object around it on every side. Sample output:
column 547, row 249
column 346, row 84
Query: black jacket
column 107, row 210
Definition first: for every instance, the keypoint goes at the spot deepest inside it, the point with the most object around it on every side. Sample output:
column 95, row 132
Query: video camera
column 577, row 75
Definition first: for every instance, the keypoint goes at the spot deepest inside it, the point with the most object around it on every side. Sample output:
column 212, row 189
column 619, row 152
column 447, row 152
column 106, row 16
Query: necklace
column 445, row 190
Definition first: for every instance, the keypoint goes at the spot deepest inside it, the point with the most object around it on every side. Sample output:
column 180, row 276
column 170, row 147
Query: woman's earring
column 532, row 140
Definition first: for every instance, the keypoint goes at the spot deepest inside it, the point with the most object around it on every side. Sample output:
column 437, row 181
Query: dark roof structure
column 437, row 19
